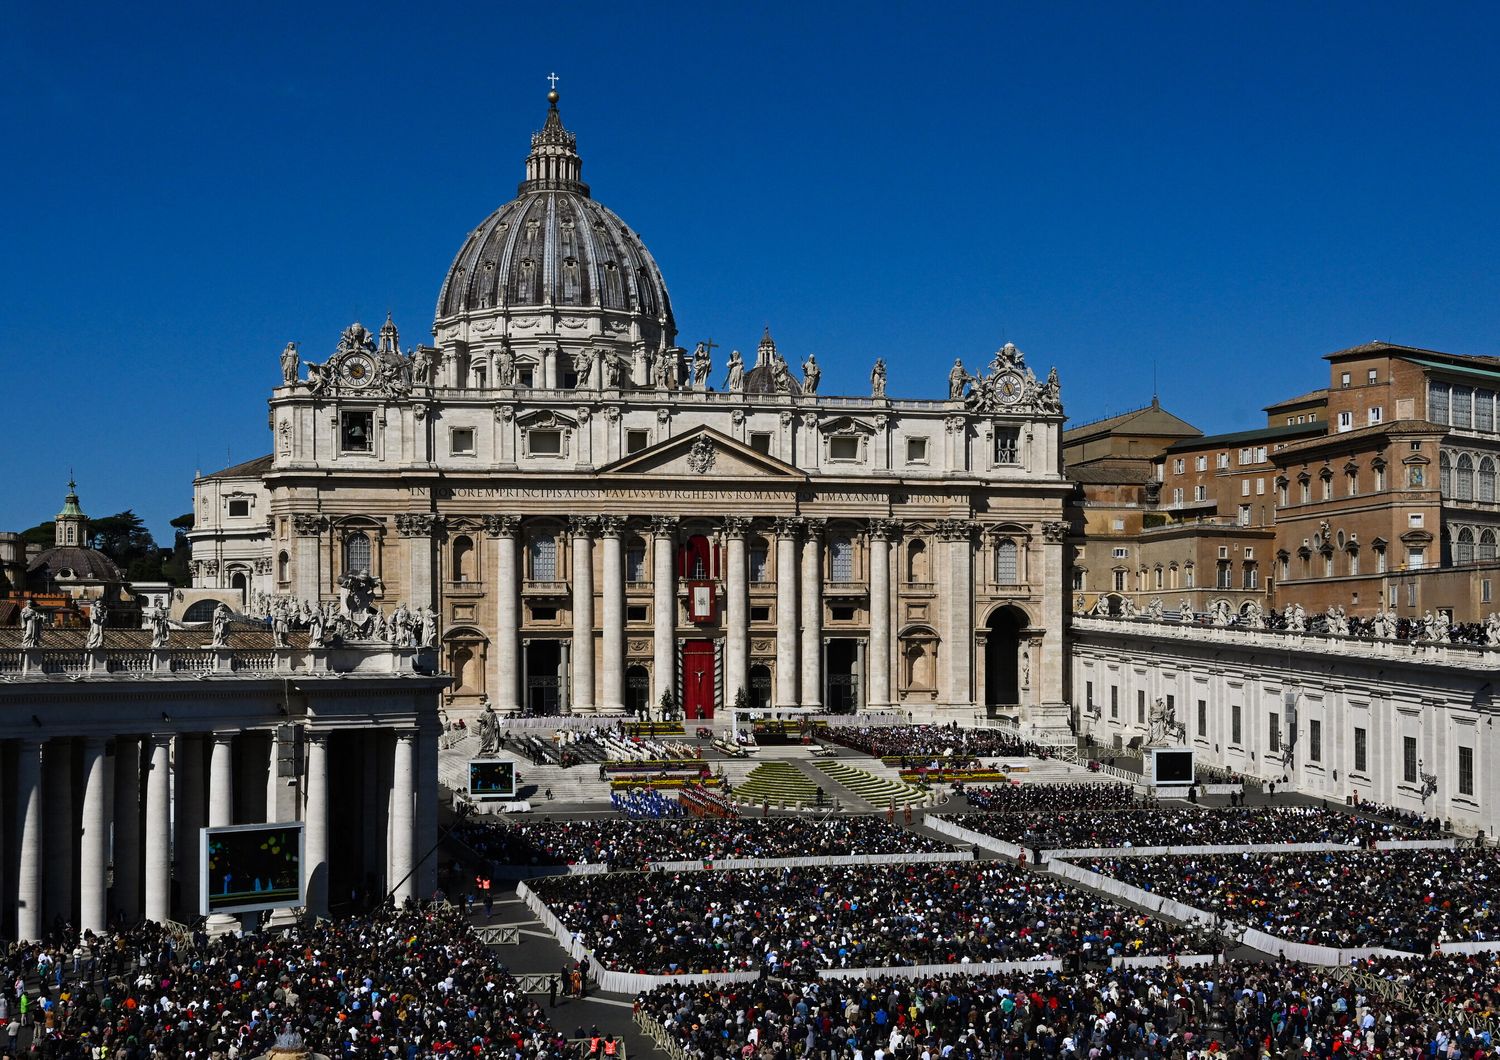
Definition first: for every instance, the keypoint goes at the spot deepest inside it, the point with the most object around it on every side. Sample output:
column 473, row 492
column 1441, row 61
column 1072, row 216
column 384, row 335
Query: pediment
column 703, row 453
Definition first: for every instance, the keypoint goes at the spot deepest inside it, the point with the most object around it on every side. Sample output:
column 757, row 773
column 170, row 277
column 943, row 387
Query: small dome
column 554, row 246
column 761, row 378
column 70, row 561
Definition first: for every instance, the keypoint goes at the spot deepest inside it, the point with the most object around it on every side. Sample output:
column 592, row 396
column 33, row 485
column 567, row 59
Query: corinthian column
column 315, row 817
column 958, row 537
column 613, row 684
column 93, row 847
column 879, row 662
column 29, row 919
column 737, row 610
column 786, row 611
column 507, row 683
column 158, row 829
column 812, row 615
column 583, row 614
column 663, row 608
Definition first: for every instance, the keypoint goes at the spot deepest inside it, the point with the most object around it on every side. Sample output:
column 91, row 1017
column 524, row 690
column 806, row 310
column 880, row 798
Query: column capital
column 787, row 526
column 418, row 524
column 736, row 525
column 611, row 525
column 307, row 524
column 956, row 529
column 405, row 735
column 1054, row 531
column 814, row 526
column 884, row 529
column 664, row 525
column 583, row 525
column 502, row 525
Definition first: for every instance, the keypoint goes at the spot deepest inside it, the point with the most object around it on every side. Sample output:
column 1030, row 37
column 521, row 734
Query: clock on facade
column 357, row 370
column 1010, row 387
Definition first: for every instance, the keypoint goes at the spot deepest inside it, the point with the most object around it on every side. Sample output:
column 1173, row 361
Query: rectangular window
column 1007, row 445
column 1374, row 376
column 1119, row 581
column 1409, row 759
column 1273, row 732
column 760, row 614
column 1244, row 515
column 843, row 449
column 1200, row 463
column 841, row 559
column 1484, row 410
column 544, row 443
column 1177, row 495
column 1344, row 379
column 760, row 562
column 357, row 431
column 1202, row 717
column 1251, row 576
column 1361, row 750
column 1462, row 406
column 1121, row 553
column 1375, row 414
column 1416, row 558
column 1140, row 707
column 1437, row 402
column 1007, row 563
column 239, row 509
column 1351, row 480
column 635, row 612
column 1245, row 455
column 1304, row 490
column 1088, row 694
column 1466, row 771
column 525, row 376
column 1260, row 454
column 1200, row 493
column 1328, row 487
column 916, row 450
column 1414, row 520
column 761, row 442
column 544, row 614
column 1178, row 465
column 1260, row 487
column 635, row 563
column 1187, row 576
column 1234, row 724
column 1114, row 701
column 1244, row 487
column 635, row 441
column 461, row 441
column 841, row 614
column 1315, row 741
column 1118, row 523
column 1223, row 461
column 1484, row 591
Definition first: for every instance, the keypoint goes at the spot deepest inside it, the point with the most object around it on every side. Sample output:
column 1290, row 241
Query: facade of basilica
column 602, row 521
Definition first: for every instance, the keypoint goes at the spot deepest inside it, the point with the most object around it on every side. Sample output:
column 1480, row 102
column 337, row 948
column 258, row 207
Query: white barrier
column 1417, row 844
column 1208, row 848
column 1307, row 953
column 1221, row 789
column 959, row 833
column 916, row 971
column 828, row 860
column 1477, row 946
column 1112, row 888
column 1182, row 960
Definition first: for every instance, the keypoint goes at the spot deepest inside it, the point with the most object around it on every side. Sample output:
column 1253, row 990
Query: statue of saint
column 781, row 379
column 957, row 380
column 98, row 618
column 489, row 729
column 315, row 629
column 289, row 364
column 221, row 626
column 877, row 378
column 811, row 373
column 505, row 366
column 429, row 628
column 32, row 621
column 161, row 629
column 279, row 626
column 702, row 365
column 736, row 382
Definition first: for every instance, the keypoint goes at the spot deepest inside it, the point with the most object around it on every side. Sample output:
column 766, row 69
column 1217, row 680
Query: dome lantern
column 553, row 164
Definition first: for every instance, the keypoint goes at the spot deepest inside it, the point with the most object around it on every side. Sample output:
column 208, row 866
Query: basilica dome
column 554, row 261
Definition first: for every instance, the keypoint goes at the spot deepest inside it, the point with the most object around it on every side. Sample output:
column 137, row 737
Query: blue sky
column 1225, row 192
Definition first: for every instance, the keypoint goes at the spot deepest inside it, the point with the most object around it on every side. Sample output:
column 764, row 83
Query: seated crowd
column 1233, row 1010
column 632, row 843
column 1181, row 826
column 1402, row 899
column 397, row 984
column 1056, row 798
column 918, row 742
column 806, row 919
column 1469, row 982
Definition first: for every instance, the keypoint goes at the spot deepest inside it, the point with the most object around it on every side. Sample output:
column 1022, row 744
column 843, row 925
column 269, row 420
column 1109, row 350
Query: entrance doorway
column 760, row 687
column 698, row 678
column 543, row 664
column 842, row 666
column 1002, row 658
column 637, row 690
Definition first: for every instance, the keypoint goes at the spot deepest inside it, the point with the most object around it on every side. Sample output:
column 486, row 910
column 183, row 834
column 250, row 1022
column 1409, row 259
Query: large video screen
column 492, row 778
column 1172, row 767
column 251, row 867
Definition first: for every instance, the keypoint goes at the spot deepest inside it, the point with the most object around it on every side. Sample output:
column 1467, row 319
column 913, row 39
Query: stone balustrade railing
column 34, row 663
column 1437, row 653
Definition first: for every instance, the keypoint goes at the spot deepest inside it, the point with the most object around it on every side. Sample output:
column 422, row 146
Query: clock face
column 1010, row 387
column 357, row 371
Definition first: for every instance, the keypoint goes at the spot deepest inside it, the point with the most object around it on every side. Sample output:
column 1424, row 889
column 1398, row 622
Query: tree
column 175, row 563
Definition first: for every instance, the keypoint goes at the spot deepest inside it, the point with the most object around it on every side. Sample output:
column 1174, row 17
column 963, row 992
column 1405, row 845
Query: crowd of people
column 1181, row 826
column 630, row 843
column 805, row 919
column 1405, row 900
column 917, row 744
column 413, row 982
column 1056, row 798
column 1467, row 982
column 1230, row 1010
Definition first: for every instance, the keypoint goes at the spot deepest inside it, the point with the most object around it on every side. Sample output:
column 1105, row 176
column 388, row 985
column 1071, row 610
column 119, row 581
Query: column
column 786, row 611
column 306, row 559
column 403, row 830
column 221, row 780
column 93, row 847
column 583, row 614
column 613, row 681
column 1050, row 657
column 29, row 921
column 737, row 611
column 664, row 610
column 127, row 822
column 417, row 529
column 427, row 805
column 57, row 778
column 315, row 818
column 273, row 778
column 878, row 663
column 812, row 615
column 159, row 829
column 958, row 537
column 189, row 801
column 507, row 683
column 375, row 825
column 564, row 677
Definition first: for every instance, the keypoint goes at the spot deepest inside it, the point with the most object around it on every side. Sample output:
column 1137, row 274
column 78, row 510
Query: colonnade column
column 188, row 800
column 582, row 528
column 220, row 800
column 29, row 919
column 664, row 609
column 787, row 530
column 127, row 826
column 879, row 661
column 403, row 830
column 737, row 611
column 93, row 848
column 427, row 806
column 273, row 778
column 315, row 819
column 613, row 682
column 507, row 684
column 812, row 614
column 159, row 829
column 58, row 874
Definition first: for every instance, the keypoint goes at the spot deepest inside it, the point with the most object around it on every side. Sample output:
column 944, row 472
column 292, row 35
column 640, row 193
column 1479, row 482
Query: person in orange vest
column 611, row 1047
column 483, row 883
column 594, row 1047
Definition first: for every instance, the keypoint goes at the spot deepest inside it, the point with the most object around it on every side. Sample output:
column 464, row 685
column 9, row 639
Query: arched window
column 283, row 568
column 1007, row 565
column 541, row 552
column 463, row 559
column 1486, row 550
column 1463, row 478
column 760, row 551
column 840, row 559
column 1487, row 480
column 356, row 553
column 1445, row 476
column 1464, row 552
column 202, row 611
column 916, row 561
